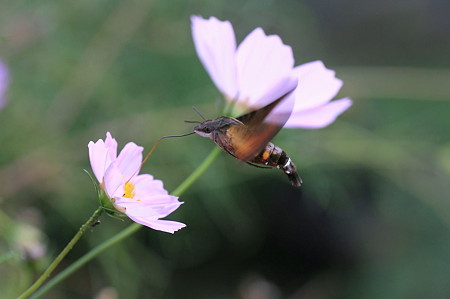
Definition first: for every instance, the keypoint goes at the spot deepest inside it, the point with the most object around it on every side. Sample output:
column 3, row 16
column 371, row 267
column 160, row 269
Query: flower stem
column 194, row 176
column 63, row 253
column 86, row 258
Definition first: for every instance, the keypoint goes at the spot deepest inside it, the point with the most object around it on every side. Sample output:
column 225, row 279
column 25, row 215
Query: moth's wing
column 260, row 126
column 258, row 116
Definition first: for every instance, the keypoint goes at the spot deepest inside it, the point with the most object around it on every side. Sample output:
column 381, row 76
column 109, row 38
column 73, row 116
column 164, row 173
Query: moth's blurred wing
column 260, row 126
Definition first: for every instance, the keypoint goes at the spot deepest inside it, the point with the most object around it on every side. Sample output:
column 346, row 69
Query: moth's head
column 206, row 128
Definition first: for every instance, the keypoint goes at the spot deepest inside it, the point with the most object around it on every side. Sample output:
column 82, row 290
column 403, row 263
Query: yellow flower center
column 129, row 190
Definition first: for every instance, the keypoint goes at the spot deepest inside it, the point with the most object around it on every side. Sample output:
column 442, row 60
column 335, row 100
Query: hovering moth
column 248, row 136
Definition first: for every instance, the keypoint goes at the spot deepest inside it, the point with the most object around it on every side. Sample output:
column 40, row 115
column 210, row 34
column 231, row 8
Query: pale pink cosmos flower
column 4, row 80
column 139, row 196
column 262, row 68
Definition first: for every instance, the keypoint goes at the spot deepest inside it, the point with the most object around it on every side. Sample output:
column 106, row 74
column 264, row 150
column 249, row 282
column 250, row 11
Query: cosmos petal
column 215, row 44
column 113, row 182
column 161, row 225
column 4, row 80
column 99, row 158
column 318, row 117
column 149, row 215
column 163, row 210
column 156, row 208
column 101, row 155
column 146, row 186
column 111, row 144
column 317, row 85
column 129, row 160
column 262, row 61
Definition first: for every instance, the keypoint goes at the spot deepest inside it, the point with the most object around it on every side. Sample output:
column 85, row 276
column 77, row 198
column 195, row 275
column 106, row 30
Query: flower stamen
column 129, row 190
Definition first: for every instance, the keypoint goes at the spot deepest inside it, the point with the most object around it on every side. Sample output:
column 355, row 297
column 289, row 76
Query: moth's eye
column 207, row 130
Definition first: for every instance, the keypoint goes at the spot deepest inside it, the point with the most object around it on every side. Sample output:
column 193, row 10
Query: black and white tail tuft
column 291, row 171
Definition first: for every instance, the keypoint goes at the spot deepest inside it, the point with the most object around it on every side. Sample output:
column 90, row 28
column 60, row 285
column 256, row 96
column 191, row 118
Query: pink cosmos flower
column 4, row 78
column 262, row 67
column 140, row 197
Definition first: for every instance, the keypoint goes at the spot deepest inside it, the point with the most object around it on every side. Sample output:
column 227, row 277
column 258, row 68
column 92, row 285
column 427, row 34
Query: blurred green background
column 371, row 220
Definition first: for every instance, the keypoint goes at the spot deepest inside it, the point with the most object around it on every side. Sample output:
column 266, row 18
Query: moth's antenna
column 198, row 112
column 192, row 121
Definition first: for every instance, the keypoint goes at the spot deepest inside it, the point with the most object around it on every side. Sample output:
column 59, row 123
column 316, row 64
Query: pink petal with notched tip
column 262, row 61
column 99, row 158
column 161, row 225
column 146, row 185
column 215, row 44
column 318, row 117
column 111, row 144
column 317, row 85
column 101, row 154
column 149, row 214
column 147, row 209
column 129, row 160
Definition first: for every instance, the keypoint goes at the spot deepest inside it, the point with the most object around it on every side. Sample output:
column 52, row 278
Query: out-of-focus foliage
column 371, row 221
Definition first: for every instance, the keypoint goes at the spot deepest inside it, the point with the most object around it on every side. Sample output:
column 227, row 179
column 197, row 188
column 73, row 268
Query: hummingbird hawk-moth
column 248, row 136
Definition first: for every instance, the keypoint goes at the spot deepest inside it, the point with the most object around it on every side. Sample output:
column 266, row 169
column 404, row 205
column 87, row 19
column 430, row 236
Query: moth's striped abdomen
column 274, row 156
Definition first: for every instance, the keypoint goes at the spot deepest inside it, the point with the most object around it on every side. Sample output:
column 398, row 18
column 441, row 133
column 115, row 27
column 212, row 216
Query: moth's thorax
column 218, row 125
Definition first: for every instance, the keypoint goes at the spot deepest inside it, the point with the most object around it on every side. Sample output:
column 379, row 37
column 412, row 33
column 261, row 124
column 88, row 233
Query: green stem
column 194, row 176
column 197, row 172
column 63, row 253
column 86, row 258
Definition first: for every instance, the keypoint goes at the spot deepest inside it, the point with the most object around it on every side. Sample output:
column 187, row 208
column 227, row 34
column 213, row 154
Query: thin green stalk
column 197, row 172
column 194, row 176
column 86, row 258
column 63, row 253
